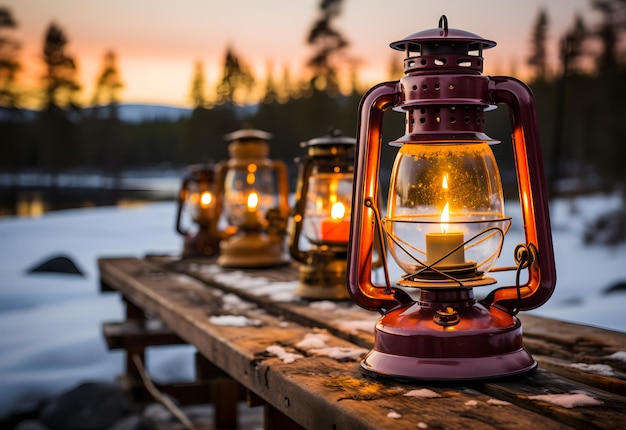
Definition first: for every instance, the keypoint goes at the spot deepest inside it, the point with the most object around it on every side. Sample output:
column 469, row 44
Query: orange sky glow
column 158, row 42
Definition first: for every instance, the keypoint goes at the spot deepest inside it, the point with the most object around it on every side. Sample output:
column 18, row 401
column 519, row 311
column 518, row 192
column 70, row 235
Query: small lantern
column 445, row 218
column 252, row 198
column 322, row 212
column 197, row 197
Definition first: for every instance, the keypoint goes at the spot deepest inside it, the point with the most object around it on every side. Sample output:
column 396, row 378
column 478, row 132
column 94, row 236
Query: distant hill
column 142, row 112
column 134, row 113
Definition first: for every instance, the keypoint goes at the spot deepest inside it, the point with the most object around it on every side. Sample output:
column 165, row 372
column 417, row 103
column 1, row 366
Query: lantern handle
column 443, row 26
column 282, row 179
column 181, row 199
column 221, row 169
column 361, row 245
column 533, row 197
column 299, row 209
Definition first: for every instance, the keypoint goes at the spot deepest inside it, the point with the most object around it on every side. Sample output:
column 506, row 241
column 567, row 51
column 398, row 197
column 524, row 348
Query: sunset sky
column 158, row 42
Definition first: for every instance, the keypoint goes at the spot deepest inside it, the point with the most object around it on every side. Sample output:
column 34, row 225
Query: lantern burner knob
column 446, row 317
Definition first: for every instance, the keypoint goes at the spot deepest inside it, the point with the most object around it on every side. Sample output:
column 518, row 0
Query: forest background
column 580, row 105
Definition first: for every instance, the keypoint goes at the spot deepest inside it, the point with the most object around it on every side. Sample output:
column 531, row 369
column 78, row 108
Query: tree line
column 63, row 135
column 579, row 104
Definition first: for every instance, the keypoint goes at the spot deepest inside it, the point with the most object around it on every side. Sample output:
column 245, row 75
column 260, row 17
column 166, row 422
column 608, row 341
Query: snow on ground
column 50, row 324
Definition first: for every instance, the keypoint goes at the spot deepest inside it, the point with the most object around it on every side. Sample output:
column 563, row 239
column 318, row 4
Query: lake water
column 33, row 194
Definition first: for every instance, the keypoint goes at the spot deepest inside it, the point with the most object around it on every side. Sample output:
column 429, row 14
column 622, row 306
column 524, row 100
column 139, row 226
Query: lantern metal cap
column 442, row 40
column 248, row 134
column 334, row 137
column 200, row 172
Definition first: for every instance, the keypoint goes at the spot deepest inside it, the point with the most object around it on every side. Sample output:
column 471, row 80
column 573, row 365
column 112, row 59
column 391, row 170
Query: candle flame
column 337, row 211
column 319, row 204
column 445, row 218
column 253, row 200
column 206, row 198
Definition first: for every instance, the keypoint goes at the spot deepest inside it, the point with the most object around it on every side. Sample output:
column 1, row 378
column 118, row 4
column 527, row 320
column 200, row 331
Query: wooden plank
column 546, row 393
column 301, row 311
column 555, row 342
column 121, row 335
column 321, row 392
column 578, row 352
column 603, row 377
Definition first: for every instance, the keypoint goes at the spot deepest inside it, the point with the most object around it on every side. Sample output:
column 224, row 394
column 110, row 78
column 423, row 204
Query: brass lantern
column 319, row 239
column 445, row 221
column 197, row 197
column 252, row 199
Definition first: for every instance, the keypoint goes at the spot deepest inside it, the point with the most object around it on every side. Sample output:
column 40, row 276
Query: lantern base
column 200, row 244
column 437, row 341
column 379, row 364
column 323, row 281
column 252, row 249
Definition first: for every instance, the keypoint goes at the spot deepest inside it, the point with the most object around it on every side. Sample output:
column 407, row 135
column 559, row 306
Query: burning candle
column 205, row 199
column 253, row 201
column 251, row 212
column 337, row 227
column 440, row 244
column 204, row 206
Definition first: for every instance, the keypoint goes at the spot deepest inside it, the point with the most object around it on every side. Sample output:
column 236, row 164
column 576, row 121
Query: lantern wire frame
column 524, row 254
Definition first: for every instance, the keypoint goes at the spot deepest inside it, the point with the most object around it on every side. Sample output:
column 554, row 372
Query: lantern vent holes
column 446, row 116
column 435, row 63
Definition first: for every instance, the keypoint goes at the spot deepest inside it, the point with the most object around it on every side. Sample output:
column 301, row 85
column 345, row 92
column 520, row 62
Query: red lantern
column 445, row 220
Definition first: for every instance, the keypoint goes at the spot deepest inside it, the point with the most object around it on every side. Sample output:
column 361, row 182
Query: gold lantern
column 252, row 198
column 319, row 240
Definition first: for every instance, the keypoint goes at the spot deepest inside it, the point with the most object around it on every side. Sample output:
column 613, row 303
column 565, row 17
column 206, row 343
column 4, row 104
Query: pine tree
column 328, row 44
column 286, row 91
column 109, row 82
column 270, row 95
column 197, row 86
column 236, row 78
column 58, row 140
column 538, row 57
column 9, row 64
column 60, row 79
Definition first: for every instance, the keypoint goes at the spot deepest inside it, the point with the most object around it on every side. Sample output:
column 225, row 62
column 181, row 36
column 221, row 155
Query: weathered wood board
column 317, row 391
